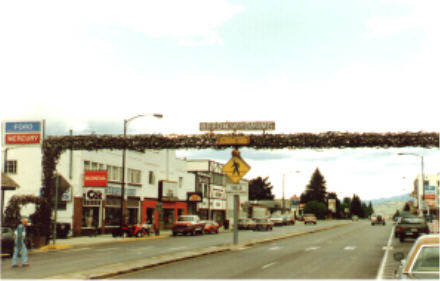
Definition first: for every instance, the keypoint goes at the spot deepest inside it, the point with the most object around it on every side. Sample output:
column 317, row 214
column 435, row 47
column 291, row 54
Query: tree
column 317, row 208
column 316, row 189
column 260, row 189
column 346, row 203
column 356, row 206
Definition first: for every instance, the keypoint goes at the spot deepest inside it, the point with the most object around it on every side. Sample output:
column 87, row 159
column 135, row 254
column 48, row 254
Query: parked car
column 7, row 236
column 411, row 227
column 310, row 218
column 422, row 261
column 377, row 219
column 246, row 223
column 188, row 224
column 211, row 227
column 135, row 230
column 278, row 220
column 263, row 224
column 354, row 218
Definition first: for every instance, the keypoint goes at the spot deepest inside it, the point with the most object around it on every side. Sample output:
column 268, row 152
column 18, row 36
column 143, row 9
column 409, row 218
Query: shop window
column 112, row 216
column 90, row 217
column 150, row 215
column 11, row 166
column 132, row 216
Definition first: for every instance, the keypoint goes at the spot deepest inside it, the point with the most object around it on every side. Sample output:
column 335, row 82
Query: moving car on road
column 377, row 219
column 411, row 227
column 422, row 261
column 188, row 224
column 263, row 224
column 310, row 218
column 246, row 223
column 211, row 227
column 7, row 236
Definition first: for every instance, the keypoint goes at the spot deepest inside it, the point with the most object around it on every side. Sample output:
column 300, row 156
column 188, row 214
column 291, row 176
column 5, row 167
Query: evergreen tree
column 316, row 189
column 260, row 189
column 370, row 209
column 346, row 204
column 356, row 206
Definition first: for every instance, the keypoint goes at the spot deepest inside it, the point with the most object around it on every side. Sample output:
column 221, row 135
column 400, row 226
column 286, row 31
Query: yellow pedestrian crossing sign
column 235, row 169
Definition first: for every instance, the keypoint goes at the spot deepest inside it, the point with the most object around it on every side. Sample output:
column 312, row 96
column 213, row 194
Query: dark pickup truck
column 412, row 226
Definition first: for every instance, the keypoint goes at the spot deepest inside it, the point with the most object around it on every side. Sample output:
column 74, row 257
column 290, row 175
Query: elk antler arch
column 55, row 145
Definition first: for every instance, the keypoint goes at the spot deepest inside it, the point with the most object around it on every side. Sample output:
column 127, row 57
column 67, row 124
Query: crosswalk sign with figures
column 235, row 169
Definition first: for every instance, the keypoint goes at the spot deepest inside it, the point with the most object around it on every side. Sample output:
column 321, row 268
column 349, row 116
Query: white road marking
column 312, row 248
column 267, row 265
column 275, row 248
column 79, row 249
column 106, row 249
column 179, row 248
column 350, row 248
column 385, row 257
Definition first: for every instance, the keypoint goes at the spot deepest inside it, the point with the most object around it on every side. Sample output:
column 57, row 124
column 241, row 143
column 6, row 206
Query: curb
column 67, row 246
column 111, row 270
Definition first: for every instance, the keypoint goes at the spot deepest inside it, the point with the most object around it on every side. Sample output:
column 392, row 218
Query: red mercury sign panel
column 95, row 178
column 23, row 138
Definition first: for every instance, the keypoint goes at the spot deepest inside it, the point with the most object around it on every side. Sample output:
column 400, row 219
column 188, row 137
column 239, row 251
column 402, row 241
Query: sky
column 310, row 66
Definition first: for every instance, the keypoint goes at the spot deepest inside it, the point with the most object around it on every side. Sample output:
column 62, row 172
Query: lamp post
column 126, row 121
column 423, row 179
column 284, row 183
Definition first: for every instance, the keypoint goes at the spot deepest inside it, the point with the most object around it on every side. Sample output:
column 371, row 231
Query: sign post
column 236, row 219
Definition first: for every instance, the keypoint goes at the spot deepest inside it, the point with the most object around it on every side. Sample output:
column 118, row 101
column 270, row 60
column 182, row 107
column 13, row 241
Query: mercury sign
column 23, row 132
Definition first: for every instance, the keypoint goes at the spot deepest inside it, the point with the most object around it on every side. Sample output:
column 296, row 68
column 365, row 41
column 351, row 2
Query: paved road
column 354, row 251
column 78, row 259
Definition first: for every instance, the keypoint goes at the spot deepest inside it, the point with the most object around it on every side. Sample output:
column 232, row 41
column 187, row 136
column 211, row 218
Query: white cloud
column 424, row 14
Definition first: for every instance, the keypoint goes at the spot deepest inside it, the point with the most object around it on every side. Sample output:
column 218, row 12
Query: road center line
column 268, row 265
column 311, row 248
column 350, row 248
column 385, row 257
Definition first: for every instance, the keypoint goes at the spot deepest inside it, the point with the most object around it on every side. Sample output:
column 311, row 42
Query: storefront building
column 95, row 206
column 211, row 183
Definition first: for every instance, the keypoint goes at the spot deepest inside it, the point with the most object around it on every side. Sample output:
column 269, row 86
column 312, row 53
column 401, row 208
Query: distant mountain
column 388, row 206
column 403, row 198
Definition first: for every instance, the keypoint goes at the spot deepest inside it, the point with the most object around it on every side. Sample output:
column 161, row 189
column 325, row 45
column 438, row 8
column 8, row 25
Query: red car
column 211, row 227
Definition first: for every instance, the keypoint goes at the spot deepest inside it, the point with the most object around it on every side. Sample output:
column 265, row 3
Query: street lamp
column 126, row 121
column 284, row 181
column 423, row 178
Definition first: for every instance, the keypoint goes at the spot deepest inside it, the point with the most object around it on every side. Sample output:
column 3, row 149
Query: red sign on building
column 23, row 138
column 95, row 178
